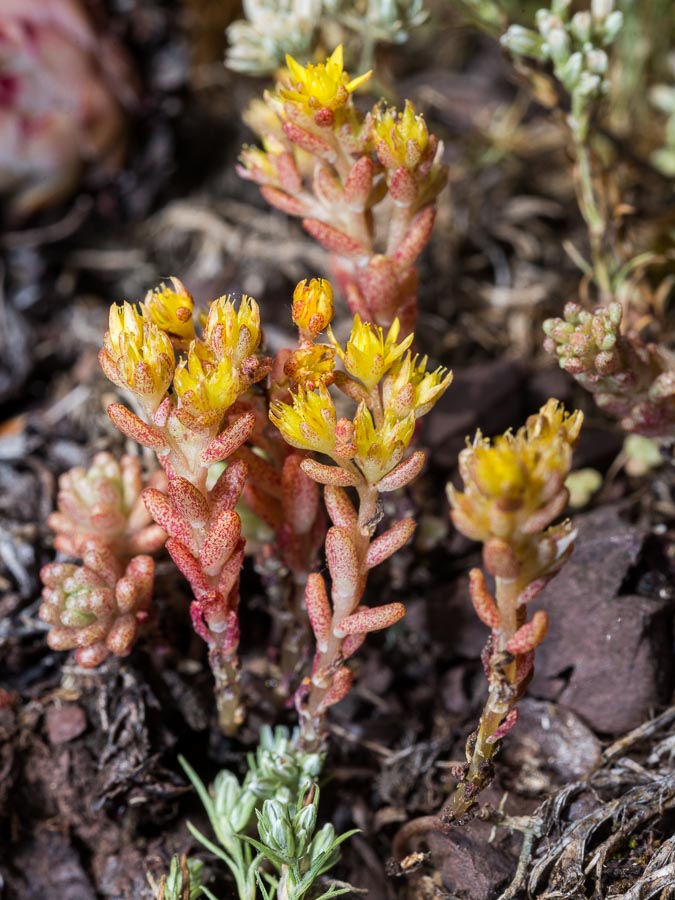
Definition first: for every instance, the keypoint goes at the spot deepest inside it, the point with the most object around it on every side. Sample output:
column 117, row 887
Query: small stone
column 470, row 867
column 607, row 655
column 549, row 747
column 65, row 723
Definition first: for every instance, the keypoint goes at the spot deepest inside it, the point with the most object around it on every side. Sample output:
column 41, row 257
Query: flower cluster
column 96, row 608
column 61, row 106
column 514, row 487
column 630, row 379
column 364, row 186
column 192, row 391
column 391, row 389
column 576, row 48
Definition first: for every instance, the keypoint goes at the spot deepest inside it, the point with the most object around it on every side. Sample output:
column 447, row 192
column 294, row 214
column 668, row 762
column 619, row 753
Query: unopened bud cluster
column 364, row 186
column 259, row 43
column 98, row 606
column 662, row 98
column 628, row 378
column 576, row 47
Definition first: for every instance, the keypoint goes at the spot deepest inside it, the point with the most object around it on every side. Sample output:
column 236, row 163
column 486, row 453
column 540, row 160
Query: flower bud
column 580, row 26
column 523, row 42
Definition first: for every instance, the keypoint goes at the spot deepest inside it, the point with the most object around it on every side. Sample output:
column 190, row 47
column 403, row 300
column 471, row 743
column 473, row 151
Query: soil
column 92, row 798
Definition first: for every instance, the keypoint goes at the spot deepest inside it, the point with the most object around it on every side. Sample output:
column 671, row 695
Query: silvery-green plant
column 662, row 97
column 258, row 44
column 300, row 854
column 183, row 881
column 281, row 778
column 576, row 47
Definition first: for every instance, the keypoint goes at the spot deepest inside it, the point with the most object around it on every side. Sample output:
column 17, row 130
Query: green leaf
column 199, row 786
column 320, row 864
column 261, row 887
column 334, row 892
column 265, row 851
column 214, row 848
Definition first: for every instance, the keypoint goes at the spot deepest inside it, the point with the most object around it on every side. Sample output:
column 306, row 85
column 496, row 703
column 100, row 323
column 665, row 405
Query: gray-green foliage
column 183, row 880
column 258, row 44
column 269, row 820
column 576, row 47
column 662, row 97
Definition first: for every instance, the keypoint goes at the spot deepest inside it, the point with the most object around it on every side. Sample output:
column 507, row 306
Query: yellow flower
column 124, row 319
column 261, row 117
column 408, row 387
column 262, row 163
column 207, row 386
column 309, row 423
column 379, row 450
column 137, row 354
column 368, row 356
column 312, row 307
column 319, row 87
column 231, row 332
column 311, row 365
column 170, row 308
column 554, row 422
column 400, row 138
column 514, row 485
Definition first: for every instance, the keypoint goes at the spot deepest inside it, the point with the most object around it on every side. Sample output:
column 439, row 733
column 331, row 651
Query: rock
column 452, row 620
column 607, row 656
column 549, row 747
column 471, row 868
column 486, row 393
column 47, row 866
column 65, row 723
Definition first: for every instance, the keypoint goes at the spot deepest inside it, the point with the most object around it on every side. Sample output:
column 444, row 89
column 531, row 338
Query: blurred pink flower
column 64, row 91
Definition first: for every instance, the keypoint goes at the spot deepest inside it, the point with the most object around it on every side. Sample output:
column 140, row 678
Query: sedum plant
column 200, row 409
column 103, row 505
column 97, row 608
column 628, row 378
column 63, row 95
column 391, row 389
column 278, row 802
column 258, row 44
column 514, row 488
column 364, row 186
column 189, row 389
